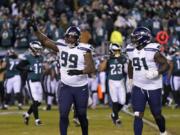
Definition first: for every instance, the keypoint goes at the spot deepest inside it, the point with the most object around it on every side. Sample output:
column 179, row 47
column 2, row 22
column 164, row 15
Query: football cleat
column 165, row 133
column 20, row 107
column 38, row 122
column 26, row 119
column 76, row 122
column 116, row 121
column 175, row 106
column 5, row 107
column 47, row 108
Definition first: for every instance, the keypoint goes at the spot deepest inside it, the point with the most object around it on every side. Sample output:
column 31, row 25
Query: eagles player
column 76, row 63
column 145, row 68
column 49, row 80
column 13, row 79
column 175, row 76
column 33, row 63
column 115, row 67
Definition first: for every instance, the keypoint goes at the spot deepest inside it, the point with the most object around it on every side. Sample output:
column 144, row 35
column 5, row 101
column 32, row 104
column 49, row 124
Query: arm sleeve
column 22, row 65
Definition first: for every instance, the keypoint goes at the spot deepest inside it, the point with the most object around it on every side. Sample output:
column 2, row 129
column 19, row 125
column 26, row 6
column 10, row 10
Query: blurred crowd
column 101, row 21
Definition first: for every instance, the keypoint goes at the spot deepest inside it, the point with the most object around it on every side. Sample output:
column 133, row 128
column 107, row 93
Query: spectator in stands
column 6, row 35
column 21, row 35
column 116, row 36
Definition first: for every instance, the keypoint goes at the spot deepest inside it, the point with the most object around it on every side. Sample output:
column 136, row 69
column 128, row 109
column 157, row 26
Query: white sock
column 164, row 133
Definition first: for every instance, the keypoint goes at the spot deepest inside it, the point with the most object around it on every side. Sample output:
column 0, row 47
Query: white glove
column 151, row 74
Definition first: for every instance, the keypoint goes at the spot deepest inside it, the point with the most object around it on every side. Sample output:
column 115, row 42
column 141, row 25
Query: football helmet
column 11, row 53
column 114, row 48
column 35, row 48
column 141, row 36
column 72, row 36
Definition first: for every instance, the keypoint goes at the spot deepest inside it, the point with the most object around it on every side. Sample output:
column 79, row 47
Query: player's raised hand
column 32, row 22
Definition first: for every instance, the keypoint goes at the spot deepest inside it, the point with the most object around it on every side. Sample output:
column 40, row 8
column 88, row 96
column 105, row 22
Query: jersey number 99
column 69, row 60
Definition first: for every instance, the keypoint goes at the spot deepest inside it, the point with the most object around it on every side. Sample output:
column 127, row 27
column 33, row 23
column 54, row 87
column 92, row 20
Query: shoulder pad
column 86, row 47
column 129, row 48
column 152, row 47
column 60, row 42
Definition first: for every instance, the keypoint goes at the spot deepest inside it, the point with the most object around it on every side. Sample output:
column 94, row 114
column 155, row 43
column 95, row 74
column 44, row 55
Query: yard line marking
column 151, row 124
column 7, row 113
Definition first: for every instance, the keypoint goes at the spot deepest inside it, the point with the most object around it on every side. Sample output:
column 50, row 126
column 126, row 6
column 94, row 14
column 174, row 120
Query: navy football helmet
column 141, row 36
column 35, row 48
column 72, row 36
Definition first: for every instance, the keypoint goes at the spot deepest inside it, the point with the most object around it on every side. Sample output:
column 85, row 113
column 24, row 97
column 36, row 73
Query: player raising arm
column 76, row 63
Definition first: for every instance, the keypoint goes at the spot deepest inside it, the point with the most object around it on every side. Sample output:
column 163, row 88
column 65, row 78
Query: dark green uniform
column 35, row 67
column 176, row 63
column 56, row 67
column 11, row 67
column 116, row 67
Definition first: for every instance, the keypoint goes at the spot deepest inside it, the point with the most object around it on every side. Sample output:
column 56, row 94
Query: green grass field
column 11, row 123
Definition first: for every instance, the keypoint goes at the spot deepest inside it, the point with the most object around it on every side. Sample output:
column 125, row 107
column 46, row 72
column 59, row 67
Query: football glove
column 151, row 74
column 75, row 72
column 33, row 23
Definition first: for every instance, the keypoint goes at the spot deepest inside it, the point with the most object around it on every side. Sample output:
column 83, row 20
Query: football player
column 146, row 65
column 2, row 76
column 93, row 85
column 115, row 66
column 175, row 75
column 76, row 63
column 33, row 64
column 49, row 82
column 13, row 79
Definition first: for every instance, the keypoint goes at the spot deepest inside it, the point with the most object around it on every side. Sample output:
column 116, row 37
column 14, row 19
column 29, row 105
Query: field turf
column 11, row 123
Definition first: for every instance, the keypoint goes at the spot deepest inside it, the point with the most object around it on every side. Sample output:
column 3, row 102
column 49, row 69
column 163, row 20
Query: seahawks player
column 115, row 66
column 145, row 68
column 76, row 63
column 33, row 63
column 175, row 76
column 13, row 79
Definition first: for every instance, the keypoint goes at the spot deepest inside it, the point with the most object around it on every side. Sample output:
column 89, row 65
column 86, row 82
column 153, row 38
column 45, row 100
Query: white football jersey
column 143, row 60
column 73, row 58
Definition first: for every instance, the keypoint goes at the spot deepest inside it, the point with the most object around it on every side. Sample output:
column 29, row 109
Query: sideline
column 151, row 124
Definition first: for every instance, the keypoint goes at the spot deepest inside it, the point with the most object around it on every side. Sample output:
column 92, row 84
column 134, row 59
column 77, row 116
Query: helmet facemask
column 115, row 50
column 71, row 40
column 72, row 36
